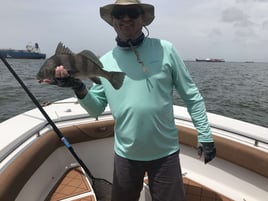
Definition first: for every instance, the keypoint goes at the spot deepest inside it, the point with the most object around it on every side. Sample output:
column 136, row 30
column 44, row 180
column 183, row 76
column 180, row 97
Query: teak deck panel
column 74, row 184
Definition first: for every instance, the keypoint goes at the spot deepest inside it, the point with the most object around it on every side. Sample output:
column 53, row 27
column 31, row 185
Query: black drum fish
column 84, row 65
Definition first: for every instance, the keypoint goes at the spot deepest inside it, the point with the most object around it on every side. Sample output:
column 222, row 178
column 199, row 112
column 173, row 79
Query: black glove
column 209, row 150
column 74, row 83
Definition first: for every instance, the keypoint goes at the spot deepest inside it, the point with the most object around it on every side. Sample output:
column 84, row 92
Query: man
column 146, row 138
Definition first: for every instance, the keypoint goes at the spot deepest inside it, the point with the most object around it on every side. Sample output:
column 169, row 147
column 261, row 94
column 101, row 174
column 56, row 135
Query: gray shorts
column 164, row 174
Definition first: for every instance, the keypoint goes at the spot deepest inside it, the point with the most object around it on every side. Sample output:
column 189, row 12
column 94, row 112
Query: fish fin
column 92, row 57
column 61, row 49
column 96, row 80
column 116, row 79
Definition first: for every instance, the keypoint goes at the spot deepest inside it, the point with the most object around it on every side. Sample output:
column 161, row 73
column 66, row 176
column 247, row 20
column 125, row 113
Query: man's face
column 127, row 21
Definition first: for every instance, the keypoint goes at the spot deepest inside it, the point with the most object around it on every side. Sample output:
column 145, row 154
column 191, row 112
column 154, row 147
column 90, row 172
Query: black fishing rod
column 101, row 187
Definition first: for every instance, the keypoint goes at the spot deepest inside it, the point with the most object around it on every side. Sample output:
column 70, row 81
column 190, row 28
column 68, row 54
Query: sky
column 234, row 30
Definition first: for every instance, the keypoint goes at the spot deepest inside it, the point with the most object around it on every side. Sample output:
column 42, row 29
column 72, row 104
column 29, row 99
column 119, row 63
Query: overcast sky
column 235, row 30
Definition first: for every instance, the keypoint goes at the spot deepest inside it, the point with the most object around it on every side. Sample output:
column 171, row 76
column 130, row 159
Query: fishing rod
column 102, row 186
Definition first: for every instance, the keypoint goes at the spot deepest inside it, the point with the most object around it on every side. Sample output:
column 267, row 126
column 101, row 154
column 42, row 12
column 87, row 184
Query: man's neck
column 135, row 42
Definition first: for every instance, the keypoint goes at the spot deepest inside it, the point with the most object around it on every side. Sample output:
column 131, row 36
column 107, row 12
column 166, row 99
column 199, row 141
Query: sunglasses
column 120, row 12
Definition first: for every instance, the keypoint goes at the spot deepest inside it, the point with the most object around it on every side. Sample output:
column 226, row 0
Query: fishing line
column 101, row 187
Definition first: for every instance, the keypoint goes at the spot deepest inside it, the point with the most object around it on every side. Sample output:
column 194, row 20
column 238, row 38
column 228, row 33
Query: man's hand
column 64, row 79
column 209, row 150
column 68, row 82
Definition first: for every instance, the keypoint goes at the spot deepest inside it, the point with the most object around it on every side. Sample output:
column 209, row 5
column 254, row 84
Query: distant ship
column 31, row 52
column 210, row 60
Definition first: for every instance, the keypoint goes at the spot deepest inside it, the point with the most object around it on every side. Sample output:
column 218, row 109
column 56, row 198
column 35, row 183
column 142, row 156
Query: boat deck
column 74, row 186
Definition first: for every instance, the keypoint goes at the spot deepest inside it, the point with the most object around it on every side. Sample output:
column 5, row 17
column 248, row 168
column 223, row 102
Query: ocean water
column 233, row 89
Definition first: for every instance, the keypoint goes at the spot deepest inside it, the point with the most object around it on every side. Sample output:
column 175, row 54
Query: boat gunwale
column 36, row 131
column 182, row 115
column 257, row 138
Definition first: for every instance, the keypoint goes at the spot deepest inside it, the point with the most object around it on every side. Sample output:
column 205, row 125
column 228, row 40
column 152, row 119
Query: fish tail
column 116, row 79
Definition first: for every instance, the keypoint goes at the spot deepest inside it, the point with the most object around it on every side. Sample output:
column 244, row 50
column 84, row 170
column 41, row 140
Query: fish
column 84, row 65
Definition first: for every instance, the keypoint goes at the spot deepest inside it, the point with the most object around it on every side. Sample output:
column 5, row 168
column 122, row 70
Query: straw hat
column 105, row 11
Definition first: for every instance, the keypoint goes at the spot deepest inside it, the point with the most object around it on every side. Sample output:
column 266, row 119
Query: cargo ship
column 31, row 52
column 210, row 60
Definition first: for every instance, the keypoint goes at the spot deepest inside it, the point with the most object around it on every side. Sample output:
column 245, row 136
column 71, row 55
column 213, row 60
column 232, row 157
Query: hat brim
column 105, row 12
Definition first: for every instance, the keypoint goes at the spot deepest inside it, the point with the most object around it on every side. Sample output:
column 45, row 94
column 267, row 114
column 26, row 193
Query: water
column 233, row 89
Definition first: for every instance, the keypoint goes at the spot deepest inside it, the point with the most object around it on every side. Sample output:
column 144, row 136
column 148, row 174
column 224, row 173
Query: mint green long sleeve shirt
column 143, row 108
